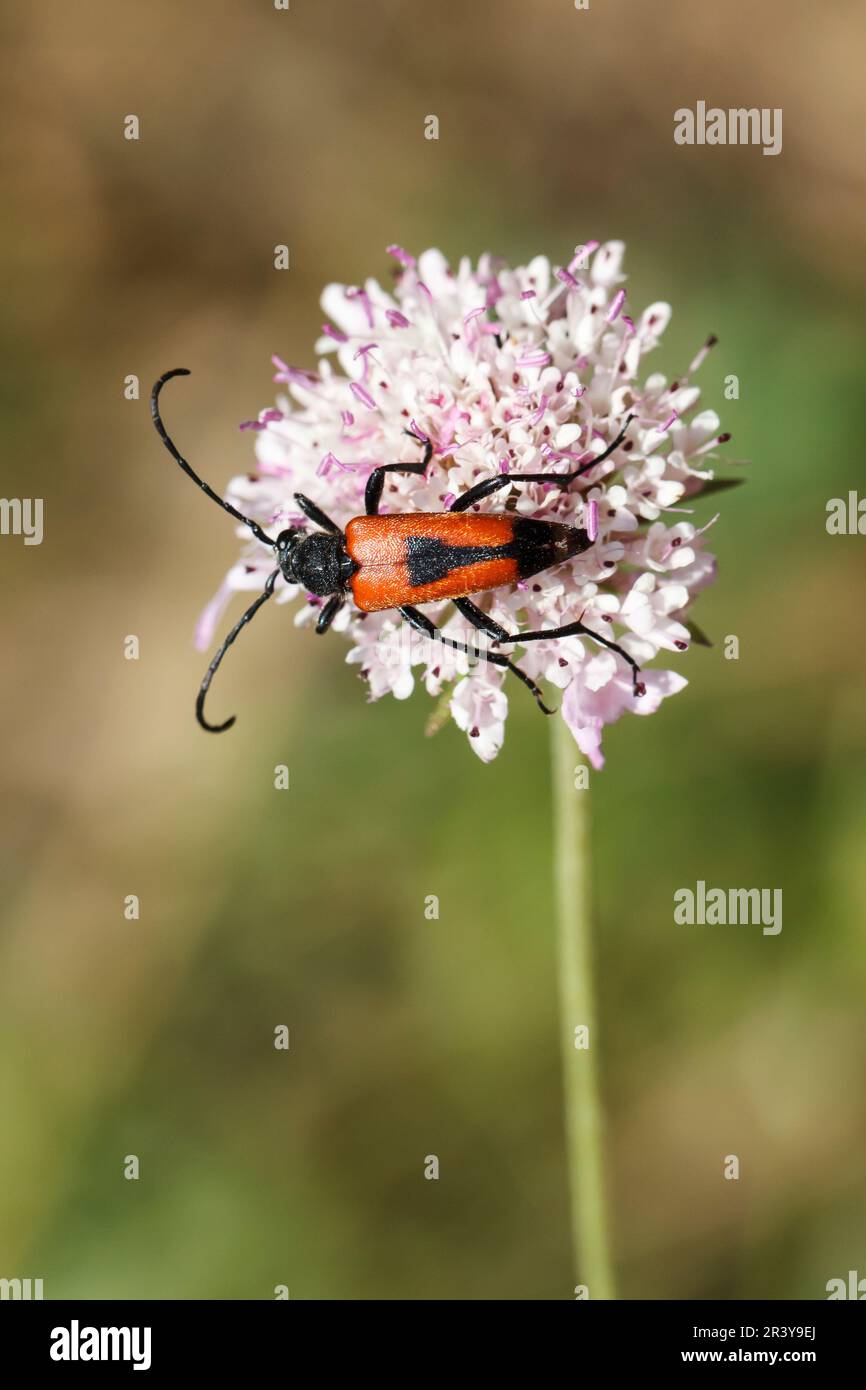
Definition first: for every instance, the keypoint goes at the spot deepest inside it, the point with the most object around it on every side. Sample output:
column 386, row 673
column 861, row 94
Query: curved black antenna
column 178, row 458
column 209, row 673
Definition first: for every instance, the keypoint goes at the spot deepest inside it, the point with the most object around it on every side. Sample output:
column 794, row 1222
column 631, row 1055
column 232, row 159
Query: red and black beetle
column 382, row 562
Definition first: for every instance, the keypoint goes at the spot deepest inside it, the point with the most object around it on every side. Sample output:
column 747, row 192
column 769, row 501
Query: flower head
column 523, row 369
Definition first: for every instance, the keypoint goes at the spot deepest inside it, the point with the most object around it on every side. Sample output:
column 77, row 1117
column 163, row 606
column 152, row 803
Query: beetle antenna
column 178, row 458
column 211, row 670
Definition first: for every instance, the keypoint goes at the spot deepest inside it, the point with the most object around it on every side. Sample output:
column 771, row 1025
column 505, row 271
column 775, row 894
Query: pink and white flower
column 519, row 369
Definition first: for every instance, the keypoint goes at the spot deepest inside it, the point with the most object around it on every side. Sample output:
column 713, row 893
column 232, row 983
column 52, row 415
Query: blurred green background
column 258, row 908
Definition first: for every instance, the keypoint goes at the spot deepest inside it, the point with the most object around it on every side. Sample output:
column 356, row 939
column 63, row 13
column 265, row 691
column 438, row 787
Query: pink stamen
column 396, row 319
column 711, row 445
column 569, row 455
column 592, row 520
column 534, row 359
column 331, row 461
column 263, row 421
column 528, row 294
column 347, row 417
column 331, row 332
column 581, row 253
column 355, row 292
column 293, row 375
column 362, row 394
column 402, row 256
column 470, row 328
column 704, row 353
column 360, row 437
column 616, row 306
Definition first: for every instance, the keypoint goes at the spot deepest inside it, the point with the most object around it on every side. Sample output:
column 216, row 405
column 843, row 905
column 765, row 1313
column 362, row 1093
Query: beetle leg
column 376, row 480
column 481, row 620
column 421, row 623
column 490, row 485
column 316, row 515
column 569, row 478
column 329, row 612
column 578, row 630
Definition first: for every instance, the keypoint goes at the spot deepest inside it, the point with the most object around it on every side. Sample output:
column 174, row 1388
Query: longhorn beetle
column 383, row 562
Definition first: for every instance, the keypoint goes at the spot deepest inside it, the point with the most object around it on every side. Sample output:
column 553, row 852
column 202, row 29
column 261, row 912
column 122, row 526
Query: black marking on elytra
column 428, row 559
column 534, row 545
column 537, row 545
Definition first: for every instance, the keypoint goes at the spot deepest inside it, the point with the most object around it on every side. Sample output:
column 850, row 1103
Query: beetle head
column 311, row 559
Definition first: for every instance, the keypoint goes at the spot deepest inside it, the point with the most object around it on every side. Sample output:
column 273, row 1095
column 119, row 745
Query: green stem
column 584, row 1121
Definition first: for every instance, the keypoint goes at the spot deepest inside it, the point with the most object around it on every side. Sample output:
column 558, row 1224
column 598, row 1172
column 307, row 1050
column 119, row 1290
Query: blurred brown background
column 306, row 908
